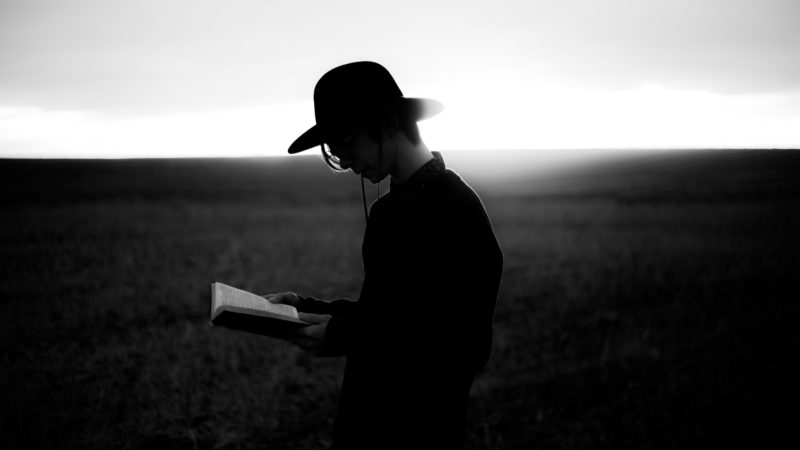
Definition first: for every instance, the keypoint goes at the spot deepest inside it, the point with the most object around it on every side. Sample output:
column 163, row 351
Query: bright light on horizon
column 496, row 110
column 480, row 113
column 98, row 79
column 36, row 133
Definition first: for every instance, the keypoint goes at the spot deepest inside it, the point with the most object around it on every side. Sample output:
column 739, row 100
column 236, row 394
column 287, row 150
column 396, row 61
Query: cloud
column 27, row 132
column 727, row 46
column 515, row 115
column 160, row 57
column 95, row 78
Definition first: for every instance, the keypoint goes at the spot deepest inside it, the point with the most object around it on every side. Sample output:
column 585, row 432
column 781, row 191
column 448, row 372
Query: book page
column 227, row 295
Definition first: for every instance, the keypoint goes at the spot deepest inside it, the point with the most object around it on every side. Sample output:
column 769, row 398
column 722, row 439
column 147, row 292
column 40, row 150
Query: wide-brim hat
column 349, row 95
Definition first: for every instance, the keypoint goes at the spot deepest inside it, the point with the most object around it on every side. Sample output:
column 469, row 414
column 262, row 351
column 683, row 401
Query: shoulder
column 462, row 218
column 455, row 193
column 454, row 208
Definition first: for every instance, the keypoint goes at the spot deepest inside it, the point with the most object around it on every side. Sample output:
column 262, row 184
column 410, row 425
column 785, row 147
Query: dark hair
column 393, row 120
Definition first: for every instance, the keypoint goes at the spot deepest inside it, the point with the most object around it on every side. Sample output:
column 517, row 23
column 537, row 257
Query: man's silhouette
column 422, row 326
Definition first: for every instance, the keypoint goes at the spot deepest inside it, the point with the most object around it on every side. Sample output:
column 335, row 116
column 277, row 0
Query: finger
column 313, row 318
column 309, row 345
column 302, row 339
column 290, row 298
column 281, row 297
column 292, row 335
column 308, row 331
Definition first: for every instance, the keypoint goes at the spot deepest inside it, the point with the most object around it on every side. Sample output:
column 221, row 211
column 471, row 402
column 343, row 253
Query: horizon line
column 550, row 151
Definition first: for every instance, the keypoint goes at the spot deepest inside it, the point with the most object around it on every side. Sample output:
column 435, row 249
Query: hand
column 287, row 298
column 311, row 338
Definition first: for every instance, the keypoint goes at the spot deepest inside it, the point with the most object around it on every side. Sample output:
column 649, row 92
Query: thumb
column 313, row 318
column 289, row 298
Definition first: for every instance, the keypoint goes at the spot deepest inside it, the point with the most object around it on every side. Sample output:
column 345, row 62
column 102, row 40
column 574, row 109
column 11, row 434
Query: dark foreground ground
column 647, row 302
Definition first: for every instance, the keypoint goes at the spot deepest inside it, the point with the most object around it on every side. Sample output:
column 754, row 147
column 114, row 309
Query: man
column 422, row 326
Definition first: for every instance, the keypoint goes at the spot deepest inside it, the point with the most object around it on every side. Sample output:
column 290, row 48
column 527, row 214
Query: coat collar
column 420, row 179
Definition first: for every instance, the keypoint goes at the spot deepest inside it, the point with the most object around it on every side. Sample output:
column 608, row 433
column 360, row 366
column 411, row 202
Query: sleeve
column 440, row 335
column 339, row 330
column 340, row 308
column 464, row 281
column 344, row 313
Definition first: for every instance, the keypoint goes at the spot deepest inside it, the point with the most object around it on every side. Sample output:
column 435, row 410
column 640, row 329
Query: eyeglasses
column 336, row 147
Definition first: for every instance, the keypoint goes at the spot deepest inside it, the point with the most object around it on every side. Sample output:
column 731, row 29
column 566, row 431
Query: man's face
column 361, row 154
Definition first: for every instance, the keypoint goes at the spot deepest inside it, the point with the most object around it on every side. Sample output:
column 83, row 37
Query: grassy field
column 646, row 302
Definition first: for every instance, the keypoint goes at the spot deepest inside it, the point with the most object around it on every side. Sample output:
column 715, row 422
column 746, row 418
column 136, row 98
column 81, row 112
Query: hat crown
column 353, row 92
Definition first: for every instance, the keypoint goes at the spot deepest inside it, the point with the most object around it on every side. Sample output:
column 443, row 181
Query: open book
column 242, row 310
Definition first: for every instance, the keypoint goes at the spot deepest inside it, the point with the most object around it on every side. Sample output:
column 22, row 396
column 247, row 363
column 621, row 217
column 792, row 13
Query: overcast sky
column 190, row 77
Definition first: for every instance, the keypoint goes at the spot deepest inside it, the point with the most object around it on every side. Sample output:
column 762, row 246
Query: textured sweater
column 422, row 326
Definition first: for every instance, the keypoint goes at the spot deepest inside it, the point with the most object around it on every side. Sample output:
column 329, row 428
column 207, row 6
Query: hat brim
column 417, row 108
column 307, row 140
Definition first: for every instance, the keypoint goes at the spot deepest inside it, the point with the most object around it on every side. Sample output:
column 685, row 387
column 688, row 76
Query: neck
column 410, row 157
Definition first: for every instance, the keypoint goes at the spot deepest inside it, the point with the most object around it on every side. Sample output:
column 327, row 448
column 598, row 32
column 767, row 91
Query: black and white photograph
column 478, row 225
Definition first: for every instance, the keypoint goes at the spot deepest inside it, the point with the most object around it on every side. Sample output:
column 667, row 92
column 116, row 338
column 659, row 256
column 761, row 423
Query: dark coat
column 422, row 327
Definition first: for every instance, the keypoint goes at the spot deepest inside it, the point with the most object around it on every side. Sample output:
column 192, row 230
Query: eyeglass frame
column 343, row 143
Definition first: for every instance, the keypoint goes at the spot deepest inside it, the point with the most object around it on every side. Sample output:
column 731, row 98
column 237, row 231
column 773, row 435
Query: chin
column 368, row 175
column 375, row 179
